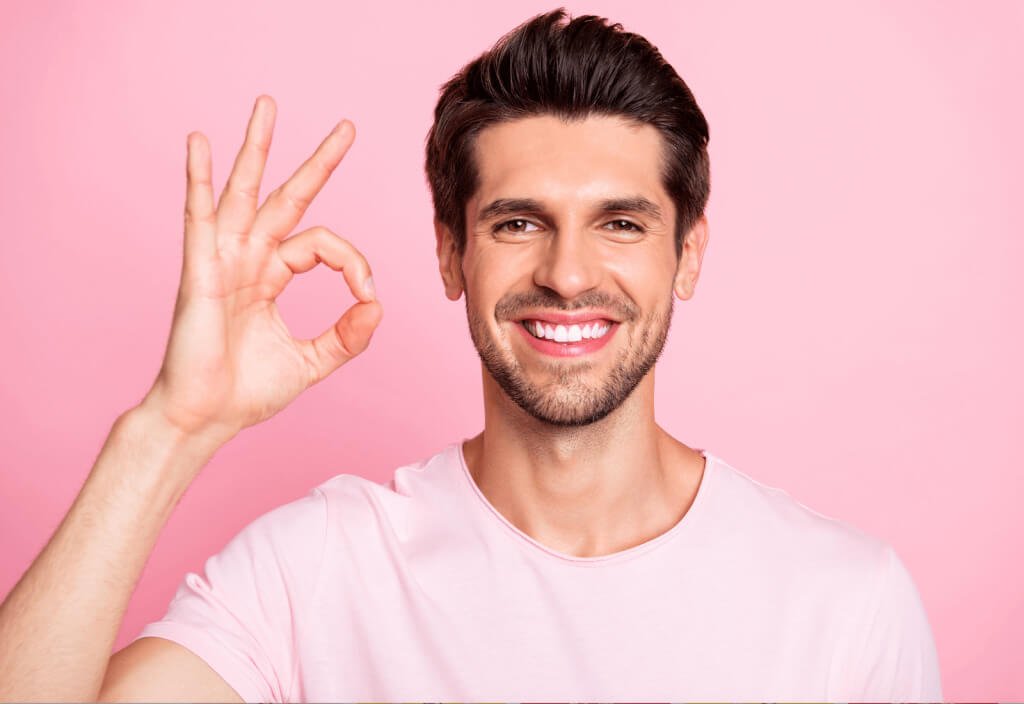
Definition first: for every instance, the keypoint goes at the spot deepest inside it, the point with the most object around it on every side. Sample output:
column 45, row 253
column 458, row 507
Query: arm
column 154, row 669
column 888, row 654
column 230, row 363
column 59, row 623
column 899, row 660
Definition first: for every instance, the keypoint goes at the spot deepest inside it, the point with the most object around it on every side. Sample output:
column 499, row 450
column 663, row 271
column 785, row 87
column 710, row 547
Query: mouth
column 561, row 340
column 590, row 330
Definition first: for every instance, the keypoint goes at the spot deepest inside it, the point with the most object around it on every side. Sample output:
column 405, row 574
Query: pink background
column 851, row 339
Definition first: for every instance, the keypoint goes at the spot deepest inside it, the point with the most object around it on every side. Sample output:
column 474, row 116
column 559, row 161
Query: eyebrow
column 512, row 206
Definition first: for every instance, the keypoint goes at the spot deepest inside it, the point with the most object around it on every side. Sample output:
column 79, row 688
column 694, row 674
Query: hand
column 231, row 361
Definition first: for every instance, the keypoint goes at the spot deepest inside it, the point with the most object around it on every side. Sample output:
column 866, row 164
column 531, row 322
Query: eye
column 630, row 226
column 514, row 225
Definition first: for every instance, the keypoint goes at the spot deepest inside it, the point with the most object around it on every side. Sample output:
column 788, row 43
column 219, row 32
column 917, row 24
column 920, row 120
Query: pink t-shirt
column 420, row 590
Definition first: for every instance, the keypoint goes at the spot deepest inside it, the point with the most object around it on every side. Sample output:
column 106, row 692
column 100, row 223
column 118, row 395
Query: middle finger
column 283, row 209
column 237, row 207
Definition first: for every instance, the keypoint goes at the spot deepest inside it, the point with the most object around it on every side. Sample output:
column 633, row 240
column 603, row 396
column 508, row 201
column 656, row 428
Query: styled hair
column 571, row 71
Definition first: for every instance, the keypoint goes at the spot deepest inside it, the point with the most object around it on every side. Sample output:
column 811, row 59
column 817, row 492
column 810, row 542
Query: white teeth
column 567, row 333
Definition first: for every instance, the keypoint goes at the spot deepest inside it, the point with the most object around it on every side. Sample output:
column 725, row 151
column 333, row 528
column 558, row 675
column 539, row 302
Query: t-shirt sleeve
column 898, row 661
column 240, row 614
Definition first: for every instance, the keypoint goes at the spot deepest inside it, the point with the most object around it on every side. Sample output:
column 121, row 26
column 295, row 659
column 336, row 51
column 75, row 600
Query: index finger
column 283, row 209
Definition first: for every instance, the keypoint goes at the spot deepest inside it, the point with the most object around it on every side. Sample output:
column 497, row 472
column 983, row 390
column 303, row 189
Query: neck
column 589, row 490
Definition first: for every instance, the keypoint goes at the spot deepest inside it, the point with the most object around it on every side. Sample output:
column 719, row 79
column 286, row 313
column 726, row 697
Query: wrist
column 153, row 411
column 147, row 461
column 149, row 420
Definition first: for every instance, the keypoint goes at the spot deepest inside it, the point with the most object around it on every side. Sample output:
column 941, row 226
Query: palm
column 231, row 361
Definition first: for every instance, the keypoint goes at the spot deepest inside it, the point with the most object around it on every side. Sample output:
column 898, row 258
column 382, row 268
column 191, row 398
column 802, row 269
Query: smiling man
column 573, row 549
column 569, row 261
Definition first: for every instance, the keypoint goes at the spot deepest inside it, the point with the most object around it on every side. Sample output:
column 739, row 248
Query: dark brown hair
column 571, row 70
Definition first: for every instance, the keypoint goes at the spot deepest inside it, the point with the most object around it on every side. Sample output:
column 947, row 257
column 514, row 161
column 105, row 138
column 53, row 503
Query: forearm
column 59, row 623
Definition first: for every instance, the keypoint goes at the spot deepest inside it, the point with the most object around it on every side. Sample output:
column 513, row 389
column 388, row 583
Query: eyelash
column 633, row 227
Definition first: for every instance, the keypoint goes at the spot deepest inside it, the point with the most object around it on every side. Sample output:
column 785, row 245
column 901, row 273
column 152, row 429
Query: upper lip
column 562, row 318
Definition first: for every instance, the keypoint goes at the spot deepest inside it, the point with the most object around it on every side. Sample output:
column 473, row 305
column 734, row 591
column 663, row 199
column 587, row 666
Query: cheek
column 495, row 271
column 484, row 288
column 654, row 257
column 645, row 279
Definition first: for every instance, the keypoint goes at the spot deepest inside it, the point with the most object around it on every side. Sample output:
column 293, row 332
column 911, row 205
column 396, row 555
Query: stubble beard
column 566, row 400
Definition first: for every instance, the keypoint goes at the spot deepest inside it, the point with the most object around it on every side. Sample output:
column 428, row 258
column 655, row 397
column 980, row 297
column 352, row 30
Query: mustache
column 509, row 308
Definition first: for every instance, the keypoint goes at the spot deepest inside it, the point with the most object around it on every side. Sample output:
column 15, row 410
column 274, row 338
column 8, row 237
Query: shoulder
column 421, row 487
column 406, row 481
column 296, row 533
column 771, row 522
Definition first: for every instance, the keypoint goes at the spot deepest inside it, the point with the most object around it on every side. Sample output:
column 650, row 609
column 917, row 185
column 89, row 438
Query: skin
column 570, row 452
column 230, row 363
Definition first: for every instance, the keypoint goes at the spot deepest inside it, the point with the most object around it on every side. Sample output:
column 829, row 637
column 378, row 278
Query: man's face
column 569, row 219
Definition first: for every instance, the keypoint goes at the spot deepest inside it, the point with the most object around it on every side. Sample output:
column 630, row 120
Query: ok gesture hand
column 231, row 361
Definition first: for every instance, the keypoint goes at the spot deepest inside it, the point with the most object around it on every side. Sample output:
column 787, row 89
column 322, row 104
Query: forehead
column 549, row 159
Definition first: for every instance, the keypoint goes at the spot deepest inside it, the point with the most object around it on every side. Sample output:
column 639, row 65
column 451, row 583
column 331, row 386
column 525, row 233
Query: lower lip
column 567, row 349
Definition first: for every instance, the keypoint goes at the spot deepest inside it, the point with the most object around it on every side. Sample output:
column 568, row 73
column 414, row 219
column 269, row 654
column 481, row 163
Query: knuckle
column 293, row 200
column 247, row 193
column 197, row 180
column 262, row 148
column 280, row 197
column 317, row 162
column 193, row 218
column 332, row 346
column 327, row 237
column 340, row 342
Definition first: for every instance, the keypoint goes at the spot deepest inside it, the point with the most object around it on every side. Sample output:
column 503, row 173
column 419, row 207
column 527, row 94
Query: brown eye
column 628, row 226
column 517, row 225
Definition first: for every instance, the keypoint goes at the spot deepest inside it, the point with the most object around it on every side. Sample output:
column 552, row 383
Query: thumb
column 345, row 339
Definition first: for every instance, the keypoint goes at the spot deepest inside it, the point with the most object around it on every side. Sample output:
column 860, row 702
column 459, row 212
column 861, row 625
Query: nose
column 569, row 263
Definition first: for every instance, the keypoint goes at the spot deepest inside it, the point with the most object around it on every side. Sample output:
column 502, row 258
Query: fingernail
column 368, row 286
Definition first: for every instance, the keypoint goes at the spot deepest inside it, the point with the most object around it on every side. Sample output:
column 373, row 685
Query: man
column 571, row 550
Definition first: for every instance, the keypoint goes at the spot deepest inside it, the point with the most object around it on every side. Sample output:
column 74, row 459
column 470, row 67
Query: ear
column 448, row 260
column 688, row 270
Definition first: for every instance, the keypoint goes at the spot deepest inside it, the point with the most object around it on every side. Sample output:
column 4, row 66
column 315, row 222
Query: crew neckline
column 685, row 523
